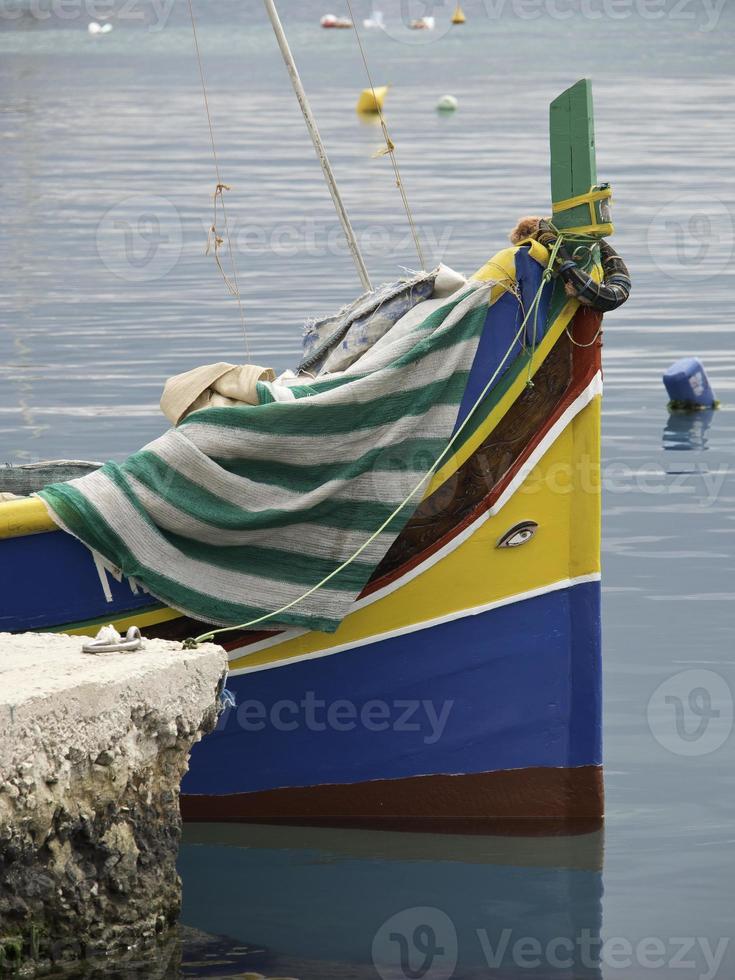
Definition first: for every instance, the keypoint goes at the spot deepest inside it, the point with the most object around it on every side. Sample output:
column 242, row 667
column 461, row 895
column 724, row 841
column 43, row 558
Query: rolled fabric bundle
column 212, row 386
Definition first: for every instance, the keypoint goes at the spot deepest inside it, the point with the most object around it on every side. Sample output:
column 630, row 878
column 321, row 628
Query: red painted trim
column 525, row 802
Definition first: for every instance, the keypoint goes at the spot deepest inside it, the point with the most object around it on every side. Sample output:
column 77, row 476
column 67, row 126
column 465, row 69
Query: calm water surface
column 105, row 199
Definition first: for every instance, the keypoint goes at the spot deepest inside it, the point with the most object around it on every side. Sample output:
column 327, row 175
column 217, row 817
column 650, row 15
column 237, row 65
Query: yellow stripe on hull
column 562, row 494
column 24, row 516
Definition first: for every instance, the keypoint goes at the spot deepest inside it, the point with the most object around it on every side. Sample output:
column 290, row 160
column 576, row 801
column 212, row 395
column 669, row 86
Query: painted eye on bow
column 517, row 535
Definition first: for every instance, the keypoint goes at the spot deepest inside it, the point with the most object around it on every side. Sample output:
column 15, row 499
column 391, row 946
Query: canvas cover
column 241, row 510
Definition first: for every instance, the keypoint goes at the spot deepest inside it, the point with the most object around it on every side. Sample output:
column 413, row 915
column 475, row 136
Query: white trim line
column 269, row 641
column 415, row 627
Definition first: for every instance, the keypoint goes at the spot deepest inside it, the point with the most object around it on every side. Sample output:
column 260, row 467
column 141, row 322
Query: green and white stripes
column 239, row 511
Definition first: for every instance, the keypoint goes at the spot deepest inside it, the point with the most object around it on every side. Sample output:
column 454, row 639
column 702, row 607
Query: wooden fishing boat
column 463, row 687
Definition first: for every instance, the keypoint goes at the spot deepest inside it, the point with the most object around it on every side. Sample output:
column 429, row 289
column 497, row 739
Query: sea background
column 106, row 188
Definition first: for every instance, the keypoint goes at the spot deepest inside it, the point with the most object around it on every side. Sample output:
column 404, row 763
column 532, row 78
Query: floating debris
column 688, row 386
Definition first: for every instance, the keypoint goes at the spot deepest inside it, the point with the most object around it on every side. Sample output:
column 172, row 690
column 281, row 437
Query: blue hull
column 486, row 693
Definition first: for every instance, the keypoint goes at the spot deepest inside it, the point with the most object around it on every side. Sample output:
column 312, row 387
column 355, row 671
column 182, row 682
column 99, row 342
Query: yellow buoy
column 371, row 100
column 458, row 16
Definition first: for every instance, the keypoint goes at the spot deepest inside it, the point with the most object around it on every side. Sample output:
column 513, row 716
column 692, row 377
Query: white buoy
column 447, row 103
column 94, row 28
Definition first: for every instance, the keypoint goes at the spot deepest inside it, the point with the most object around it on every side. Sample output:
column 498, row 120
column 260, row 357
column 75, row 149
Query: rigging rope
column 205, row 637
column 590, row 241
column 390, row 148
column 545, row 278
column 213, row 239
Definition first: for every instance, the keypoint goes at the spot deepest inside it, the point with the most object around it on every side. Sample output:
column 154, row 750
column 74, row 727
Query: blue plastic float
column 688, row 386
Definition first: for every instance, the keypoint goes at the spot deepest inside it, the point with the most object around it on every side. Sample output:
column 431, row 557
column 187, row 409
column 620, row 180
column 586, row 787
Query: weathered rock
column 92, row 752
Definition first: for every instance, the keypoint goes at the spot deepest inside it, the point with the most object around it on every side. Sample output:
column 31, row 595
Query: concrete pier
column 92, row 752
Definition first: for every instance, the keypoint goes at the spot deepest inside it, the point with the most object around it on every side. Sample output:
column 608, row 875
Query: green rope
column 545, row 278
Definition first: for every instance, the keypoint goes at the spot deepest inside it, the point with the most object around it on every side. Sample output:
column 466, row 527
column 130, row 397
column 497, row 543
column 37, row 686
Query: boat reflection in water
column 315, row 903
column 687, row 430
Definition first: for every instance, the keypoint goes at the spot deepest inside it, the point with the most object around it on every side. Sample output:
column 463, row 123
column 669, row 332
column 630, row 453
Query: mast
column 318, row 145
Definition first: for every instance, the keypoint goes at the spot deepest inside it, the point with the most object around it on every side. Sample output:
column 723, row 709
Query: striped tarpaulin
column 240, row 510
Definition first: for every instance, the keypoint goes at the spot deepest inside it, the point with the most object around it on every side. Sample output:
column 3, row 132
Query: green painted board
column 573, row 164
column 572, row 144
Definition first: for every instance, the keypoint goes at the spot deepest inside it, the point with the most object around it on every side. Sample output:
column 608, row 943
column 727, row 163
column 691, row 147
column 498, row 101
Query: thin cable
column 390, row 146
column 205, row 637
column 233, row 287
